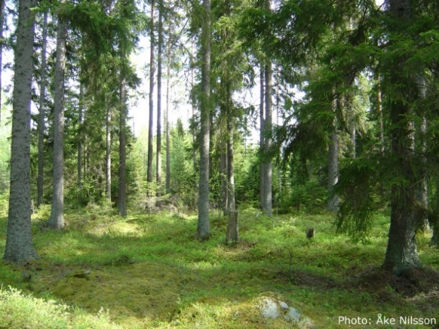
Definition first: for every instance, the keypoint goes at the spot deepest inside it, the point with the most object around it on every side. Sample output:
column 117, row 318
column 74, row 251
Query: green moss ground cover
column 148, row 271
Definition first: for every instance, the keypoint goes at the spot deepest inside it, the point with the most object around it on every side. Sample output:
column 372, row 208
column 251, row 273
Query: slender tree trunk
column 56, row 220
column 2, row 24
column 81, row 122
column 380, row 112
column 348, row 101
column 159, row 102
column 333, row 164
column 19, row 244
column 231, row 205
column 194, row 153
column 268, row 122
column 149, row 175
column 108, row 154
column 223, row 173
column 203, row 227
column 42, row 114
column 122, row 200
column 422, row 193
column 261, row 139
column 401, row 253
column 168, row 145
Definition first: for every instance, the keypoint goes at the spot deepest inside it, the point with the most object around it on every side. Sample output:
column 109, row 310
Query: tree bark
column 168, row 145
column 232, row 235
column 380, row 112
column 193, row 129
column 19, row 244
column 149, row 176
column 223, row 173
column 56, row 220
column 268, row 122
column 231, row 205
column 42, row 114
column 122, row 202
column 333, row 201
column 2, row 24
column 261, row 138
column 203, row 227
column 108, row 154
column 422, row 192
column 80, row 129
column 159, row 102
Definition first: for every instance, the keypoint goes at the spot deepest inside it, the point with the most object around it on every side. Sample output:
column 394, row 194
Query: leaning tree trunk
column 203, row 227
column 42, row 114
column 19, row 245
column 401, row 253
column 149, row 175
column 56, row 220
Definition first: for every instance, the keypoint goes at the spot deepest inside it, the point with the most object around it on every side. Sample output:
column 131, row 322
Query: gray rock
column 269, row 309
column 292, row 315
column 283, row 305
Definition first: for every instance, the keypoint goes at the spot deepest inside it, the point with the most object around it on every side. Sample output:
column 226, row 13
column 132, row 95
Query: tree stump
column 232, row 235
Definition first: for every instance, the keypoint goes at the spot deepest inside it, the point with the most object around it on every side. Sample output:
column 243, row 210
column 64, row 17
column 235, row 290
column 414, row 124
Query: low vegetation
column 142, row 271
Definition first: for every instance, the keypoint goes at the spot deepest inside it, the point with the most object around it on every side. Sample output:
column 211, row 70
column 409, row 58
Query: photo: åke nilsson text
column 385, row 320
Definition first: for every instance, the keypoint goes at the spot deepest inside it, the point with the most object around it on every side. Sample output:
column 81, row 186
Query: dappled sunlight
column 151, row 271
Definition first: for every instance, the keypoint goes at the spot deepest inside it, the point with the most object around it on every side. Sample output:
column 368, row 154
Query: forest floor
column 148, row 270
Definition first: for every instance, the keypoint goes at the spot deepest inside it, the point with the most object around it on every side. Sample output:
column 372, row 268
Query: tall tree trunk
column 422, row 193
column 223, row 173
column 122, row 199
column 261, row 138
column 56, row 220
column 268, row 122
column 108, row 154
column 203, row 227
column 401, row 251
column 19, row 244
column 380, row 112
column 168, row 145
column 42, row 114
column 149, row 175
column 159, row 102
column 333, row 201
column 2, row 24
column 194, row 132
column 80, row 130
column 231, row 205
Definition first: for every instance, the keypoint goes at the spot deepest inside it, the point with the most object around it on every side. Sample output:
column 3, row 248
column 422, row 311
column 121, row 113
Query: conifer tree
column 19, row 244
column 56, row 219
column 203, row 227
column 41, row 116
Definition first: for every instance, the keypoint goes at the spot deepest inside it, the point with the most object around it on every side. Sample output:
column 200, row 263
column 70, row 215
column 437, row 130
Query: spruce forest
column 219, row 164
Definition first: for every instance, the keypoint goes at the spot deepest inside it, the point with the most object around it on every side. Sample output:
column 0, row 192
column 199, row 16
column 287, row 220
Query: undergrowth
column 148, row 271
